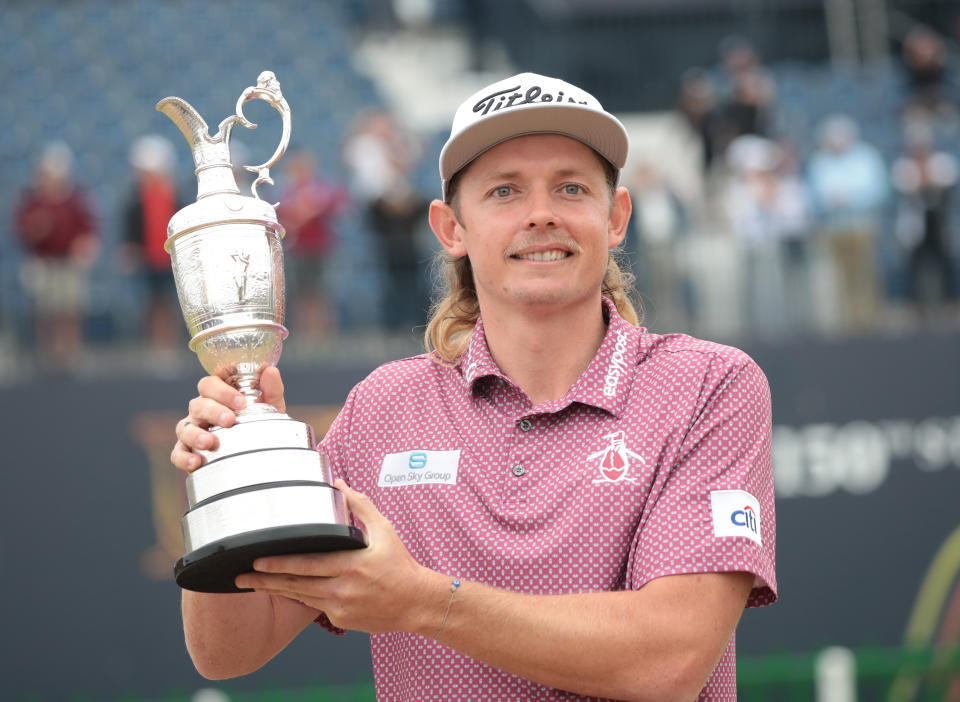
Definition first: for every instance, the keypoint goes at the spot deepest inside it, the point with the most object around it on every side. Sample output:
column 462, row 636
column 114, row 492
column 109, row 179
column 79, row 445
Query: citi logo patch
column 736, row 513
column 419, row 467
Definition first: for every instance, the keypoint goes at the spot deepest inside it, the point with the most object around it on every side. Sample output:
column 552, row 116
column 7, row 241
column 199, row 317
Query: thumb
column 362, row 508
column 271, row 388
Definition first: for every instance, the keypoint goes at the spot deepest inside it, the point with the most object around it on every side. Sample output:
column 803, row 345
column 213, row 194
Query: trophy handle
column 268, row 90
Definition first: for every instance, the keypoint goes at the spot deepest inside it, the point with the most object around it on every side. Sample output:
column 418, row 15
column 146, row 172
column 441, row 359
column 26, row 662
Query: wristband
column 454, row 585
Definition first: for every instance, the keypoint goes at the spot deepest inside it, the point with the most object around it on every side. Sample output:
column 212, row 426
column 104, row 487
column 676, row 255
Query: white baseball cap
column 528, row 103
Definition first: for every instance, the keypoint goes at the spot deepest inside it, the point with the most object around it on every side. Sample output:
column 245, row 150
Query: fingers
column 221, row 392
column 194, row 437
column 363, row 509
column 271, row 388
column 297, row 587
column 204, row 412
column 311, row 592
column 185, row 459
column 290, row 579
column 272, row 584
column 216, row 406
column 190, row 437
column 217, row 389
column 311, row 565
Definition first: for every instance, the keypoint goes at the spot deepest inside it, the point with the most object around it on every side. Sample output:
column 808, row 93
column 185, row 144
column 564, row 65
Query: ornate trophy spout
column 212, row 154
column 264, row 490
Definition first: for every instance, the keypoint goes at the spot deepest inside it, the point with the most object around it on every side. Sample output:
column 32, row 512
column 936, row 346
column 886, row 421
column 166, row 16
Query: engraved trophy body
column 265, row 490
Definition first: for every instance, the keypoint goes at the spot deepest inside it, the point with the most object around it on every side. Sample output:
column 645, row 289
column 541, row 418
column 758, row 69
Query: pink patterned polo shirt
column 656, row 462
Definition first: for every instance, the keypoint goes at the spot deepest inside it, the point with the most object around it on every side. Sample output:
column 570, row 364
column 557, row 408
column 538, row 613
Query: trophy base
column 213, row 567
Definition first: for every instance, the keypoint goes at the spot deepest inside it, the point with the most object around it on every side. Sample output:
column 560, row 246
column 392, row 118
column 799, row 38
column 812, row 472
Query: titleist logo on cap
column 529, row 103
column 500, row 99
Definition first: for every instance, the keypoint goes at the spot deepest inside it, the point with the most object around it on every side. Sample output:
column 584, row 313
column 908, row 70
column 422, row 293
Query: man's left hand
column 376, row 589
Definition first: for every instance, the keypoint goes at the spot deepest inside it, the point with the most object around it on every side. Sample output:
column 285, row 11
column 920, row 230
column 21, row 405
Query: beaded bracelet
column 453, row 593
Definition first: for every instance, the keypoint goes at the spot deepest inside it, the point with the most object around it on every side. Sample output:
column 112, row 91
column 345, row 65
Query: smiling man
column 559, row 504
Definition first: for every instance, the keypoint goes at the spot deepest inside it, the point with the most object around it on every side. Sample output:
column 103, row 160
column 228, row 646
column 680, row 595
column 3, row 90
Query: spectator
column 752, row 89
column 849, row 187
column 697, row 104
column 308, row 211
column 659, row 222
column 928, row 79
column 925, row 180
column 56, row 226
column 381, row 157
column 397, row 218
column 797, row 251
column 748, row 93
column 150, row 204
column 768, row 211
column 377, row 152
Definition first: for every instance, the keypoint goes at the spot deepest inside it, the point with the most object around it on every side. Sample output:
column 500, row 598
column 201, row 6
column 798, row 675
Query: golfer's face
column 537, row 222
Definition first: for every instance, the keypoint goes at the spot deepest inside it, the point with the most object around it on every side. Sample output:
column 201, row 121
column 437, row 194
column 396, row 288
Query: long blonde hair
column 456, row 310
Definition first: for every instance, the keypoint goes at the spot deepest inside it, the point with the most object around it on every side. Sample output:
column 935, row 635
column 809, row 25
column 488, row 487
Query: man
column 58, row 230
column 310, row 207
column 849, row 189
column 596, row 506
column 151, row 202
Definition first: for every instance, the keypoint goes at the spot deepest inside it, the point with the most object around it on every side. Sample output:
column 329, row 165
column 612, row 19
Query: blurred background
column 794, row 169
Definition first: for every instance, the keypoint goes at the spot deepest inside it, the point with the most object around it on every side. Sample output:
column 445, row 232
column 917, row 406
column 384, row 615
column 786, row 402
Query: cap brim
column 599, row 130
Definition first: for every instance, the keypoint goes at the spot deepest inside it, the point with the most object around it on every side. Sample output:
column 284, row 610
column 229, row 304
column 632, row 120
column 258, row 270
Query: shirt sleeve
column 334, row 442
column 711, row 507
column 332, row 445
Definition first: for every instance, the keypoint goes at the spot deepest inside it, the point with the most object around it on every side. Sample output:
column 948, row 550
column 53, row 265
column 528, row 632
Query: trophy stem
column 249, row 385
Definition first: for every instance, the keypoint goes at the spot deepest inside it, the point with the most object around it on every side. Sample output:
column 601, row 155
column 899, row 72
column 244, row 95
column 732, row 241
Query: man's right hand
column 216, row 406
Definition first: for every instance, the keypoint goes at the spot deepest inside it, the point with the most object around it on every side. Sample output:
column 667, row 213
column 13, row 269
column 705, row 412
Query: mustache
column 538, row 240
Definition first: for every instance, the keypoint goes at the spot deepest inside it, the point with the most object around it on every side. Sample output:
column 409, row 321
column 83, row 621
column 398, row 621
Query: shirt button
column 519, row 470
column 526, row 425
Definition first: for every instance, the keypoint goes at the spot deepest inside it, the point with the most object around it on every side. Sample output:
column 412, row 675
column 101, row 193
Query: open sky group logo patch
column 419, row 467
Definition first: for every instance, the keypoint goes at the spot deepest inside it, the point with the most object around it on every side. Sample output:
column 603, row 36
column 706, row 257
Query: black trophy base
column 213, row 568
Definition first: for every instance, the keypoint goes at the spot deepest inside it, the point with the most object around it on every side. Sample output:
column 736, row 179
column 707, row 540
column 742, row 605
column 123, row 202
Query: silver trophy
column 265, row 490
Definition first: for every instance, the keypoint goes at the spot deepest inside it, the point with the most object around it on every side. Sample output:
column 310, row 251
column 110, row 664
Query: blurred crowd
column 776, row 239
column 60, row 236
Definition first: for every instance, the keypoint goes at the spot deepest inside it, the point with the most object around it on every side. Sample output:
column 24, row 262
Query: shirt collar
column 476, row 361
column 607, row 380
column 605, row 383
